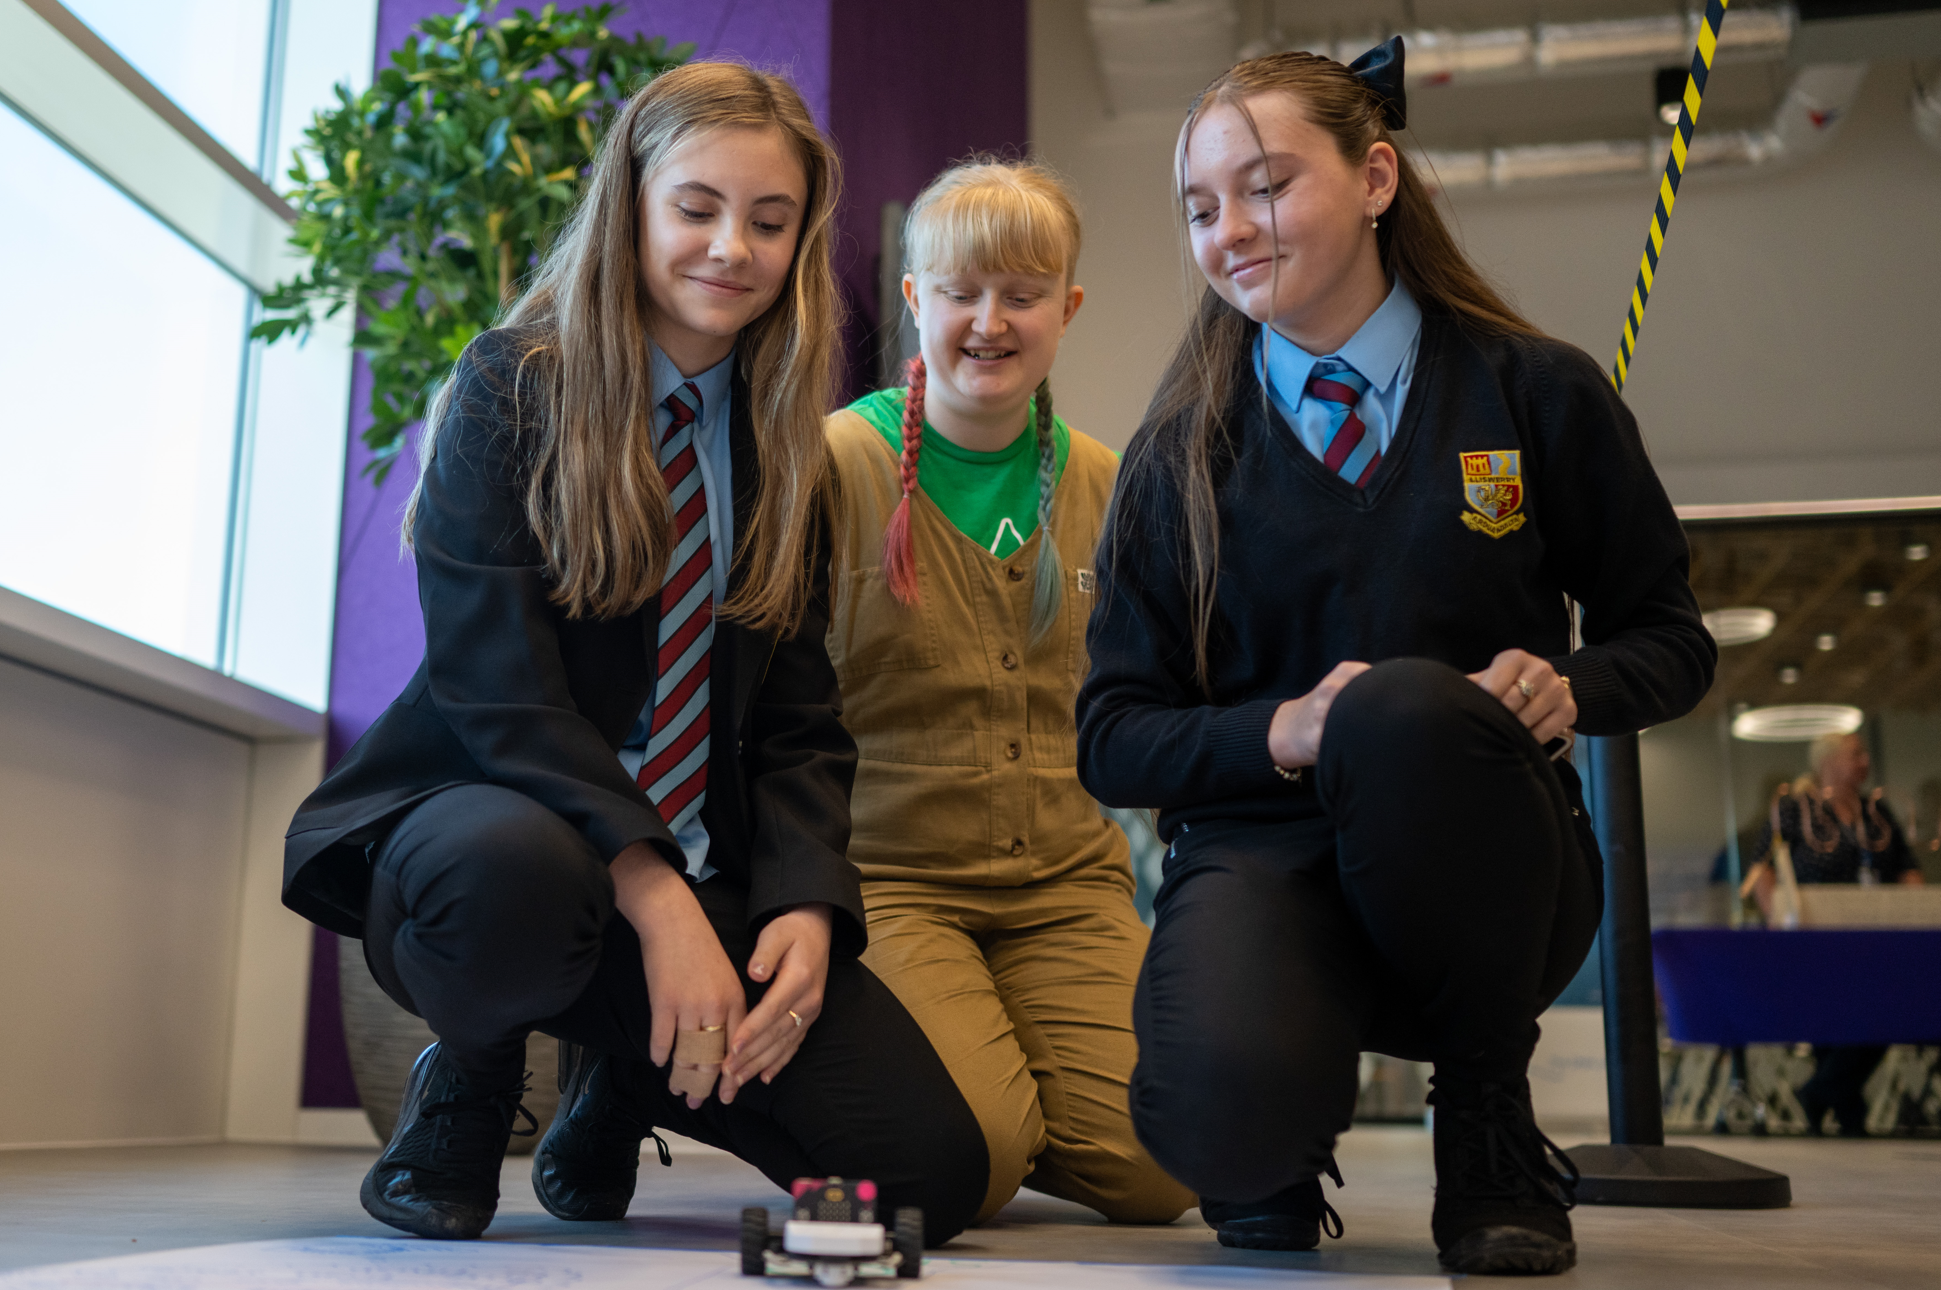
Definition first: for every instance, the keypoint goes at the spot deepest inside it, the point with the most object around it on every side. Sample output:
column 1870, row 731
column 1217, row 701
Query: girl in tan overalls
column 999, row 899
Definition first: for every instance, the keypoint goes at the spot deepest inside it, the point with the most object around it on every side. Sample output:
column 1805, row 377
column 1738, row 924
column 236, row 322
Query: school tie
column 1351, row 451
column 674, row 774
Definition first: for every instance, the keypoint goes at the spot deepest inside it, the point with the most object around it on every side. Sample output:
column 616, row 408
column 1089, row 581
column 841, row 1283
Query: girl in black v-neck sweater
column 1346, row 701
column 1314, row 571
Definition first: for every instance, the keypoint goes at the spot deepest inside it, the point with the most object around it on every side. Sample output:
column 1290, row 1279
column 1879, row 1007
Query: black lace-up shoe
column 588, row 1162
column 1502, row 1208
column 1291, row 1219
column 439, row 1177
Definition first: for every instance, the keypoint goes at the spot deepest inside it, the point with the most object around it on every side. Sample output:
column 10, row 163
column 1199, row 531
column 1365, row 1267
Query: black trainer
column 1291, row 1219
column 1502, row 1208
column 439, row 1177
column 589, row 1160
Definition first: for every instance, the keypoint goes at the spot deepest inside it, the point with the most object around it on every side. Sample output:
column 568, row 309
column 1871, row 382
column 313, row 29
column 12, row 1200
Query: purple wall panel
column 913, row 87
column 869, row 71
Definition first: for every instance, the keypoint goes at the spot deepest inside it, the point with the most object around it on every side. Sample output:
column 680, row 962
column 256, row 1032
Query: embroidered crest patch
column 1492, row 484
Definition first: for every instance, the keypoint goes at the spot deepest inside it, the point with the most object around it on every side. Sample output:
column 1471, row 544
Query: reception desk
column 1816, row 985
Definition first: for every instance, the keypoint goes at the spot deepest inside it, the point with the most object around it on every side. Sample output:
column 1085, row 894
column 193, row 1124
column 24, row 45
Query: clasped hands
column 1525, row 684
column 692, row 987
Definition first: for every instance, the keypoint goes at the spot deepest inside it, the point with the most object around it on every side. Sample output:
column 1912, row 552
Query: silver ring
column 793, row 1013
column 1527, row 690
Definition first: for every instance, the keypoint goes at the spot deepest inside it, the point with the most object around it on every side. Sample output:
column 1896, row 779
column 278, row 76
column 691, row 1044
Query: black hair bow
column 1380, row 69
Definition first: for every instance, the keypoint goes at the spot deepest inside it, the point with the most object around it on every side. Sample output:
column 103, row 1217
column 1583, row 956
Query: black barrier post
column 1637, row 1168
column 1624, row 945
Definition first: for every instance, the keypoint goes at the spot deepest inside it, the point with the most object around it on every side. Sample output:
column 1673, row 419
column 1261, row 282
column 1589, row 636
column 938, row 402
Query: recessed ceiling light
column 1915, row 550
column 1789, row 675
column 1825, row 641
column 1875, row 597
column 1786, row 723
column 1741, row 625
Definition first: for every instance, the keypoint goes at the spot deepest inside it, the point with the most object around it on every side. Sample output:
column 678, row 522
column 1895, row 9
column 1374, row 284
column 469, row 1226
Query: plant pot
column 384, row 1040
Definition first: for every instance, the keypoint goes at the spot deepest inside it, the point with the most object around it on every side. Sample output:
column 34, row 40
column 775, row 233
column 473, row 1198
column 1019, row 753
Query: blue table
column 1812, row 986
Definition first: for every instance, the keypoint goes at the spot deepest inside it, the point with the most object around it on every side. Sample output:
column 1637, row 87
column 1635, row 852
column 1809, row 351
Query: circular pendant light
column 1793, row 723
column 1741, row 625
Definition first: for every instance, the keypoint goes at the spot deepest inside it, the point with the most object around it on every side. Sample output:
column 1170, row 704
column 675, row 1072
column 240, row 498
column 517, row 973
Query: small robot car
column 832, row 1236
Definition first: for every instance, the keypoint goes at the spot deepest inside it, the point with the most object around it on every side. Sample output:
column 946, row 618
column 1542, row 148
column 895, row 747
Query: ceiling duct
column 1806, row 121
column 1441, row 56
column 1927, row 113
column 1155, row 55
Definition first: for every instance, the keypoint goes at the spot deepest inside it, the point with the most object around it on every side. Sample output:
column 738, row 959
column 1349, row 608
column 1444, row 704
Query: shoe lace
column 1503, row 1152
column 466, row 1129
column 1330, row 1221
column 613, row 1113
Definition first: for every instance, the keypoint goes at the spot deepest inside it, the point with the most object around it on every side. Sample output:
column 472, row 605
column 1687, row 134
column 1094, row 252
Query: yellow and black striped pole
column 1681, row 142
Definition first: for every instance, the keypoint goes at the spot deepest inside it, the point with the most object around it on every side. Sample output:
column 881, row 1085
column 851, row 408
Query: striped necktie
column 1351, row 452
column 674, row 774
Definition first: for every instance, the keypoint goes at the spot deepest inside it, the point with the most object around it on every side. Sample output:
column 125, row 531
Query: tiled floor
column 1866, row 1214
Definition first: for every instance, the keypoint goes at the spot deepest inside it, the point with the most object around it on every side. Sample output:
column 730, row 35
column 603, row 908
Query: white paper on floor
column 360, row 1263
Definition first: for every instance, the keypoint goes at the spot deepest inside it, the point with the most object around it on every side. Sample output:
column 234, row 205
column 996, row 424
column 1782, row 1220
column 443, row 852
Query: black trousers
column 491, row 917
column 1430, row 901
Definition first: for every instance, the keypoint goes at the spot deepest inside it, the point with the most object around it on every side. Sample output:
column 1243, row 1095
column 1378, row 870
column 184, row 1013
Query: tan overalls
column 999, row 899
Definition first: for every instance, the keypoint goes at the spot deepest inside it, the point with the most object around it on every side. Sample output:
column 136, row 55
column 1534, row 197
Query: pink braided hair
column 899, row 553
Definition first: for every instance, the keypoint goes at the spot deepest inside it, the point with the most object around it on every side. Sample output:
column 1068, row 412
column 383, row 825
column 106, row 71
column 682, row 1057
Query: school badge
column 1492, row 484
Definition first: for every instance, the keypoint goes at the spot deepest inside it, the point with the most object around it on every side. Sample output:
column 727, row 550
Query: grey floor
column 1866, row 1214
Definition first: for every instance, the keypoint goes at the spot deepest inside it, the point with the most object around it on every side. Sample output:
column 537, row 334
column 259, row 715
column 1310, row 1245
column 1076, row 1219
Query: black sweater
column 1314, row 572
column 513, row 692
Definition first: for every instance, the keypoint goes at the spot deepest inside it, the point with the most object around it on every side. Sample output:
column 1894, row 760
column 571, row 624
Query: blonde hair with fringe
column 988, row 215
column 595, row 498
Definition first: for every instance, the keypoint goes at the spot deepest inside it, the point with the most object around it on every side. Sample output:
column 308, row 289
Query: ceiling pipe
column 1803, row 125
column 1441, row 56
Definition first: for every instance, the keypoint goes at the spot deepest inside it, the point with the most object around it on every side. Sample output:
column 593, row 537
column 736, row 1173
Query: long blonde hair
column 595, row 497
column 1189, row 413
column 991, row 216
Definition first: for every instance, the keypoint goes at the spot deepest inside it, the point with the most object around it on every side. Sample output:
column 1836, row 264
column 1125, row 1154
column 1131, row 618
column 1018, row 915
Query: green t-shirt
column 991, row 497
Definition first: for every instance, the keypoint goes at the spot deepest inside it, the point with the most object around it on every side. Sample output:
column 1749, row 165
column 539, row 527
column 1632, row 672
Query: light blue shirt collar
column 712, row 383
column 1377, row 350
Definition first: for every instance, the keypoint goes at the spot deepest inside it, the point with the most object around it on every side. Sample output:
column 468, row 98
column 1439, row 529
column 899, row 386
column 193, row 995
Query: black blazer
column 513, row 692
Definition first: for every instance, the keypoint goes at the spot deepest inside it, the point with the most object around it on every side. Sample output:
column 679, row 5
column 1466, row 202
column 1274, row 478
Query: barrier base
column 1674, row 1178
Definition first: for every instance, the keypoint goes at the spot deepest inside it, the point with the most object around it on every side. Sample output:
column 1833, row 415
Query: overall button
column 1012, row 750
column 1017, row 574
column 1017, row 846
column 1009, row 660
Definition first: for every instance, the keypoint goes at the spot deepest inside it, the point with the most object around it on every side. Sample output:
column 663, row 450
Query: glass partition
column 1828, row 687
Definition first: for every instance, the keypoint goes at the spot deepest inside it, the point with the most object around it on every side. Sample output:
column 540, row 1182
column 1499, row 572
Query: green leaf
column 474, row 134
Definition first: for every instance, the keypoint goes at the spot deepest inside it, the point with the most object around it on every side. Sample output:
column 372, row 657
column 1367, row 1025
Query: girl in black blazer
column 613, row 804
column 1333, row 645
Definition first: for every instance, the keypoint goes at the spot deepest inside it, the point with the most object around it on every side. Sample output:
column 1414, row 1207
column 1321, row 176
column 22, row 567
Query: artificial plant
column 423, row 200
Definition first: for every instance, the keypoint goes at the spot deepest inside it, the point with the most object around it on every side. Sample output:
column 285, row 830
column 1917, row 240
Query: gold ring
column 793, row 1013
column 1524, row 688
column 709, row 1030
column 1565, row 680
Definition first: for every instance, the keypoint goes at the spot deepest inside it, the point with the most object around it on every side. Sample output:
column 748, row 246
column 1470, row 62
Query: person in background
column 613, row 804
column 1000, row 900
column 1835, row 834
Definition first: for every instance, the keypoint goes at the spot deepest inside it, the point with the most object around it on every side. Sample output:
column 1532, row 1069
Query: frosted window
column 208, row 56
column 121, row 353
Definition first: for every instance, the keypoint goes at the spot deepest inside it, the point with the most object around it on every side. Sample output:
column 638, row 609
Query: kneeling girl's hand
column 1532, row 689
column 793, row 955
column 691, row 985
column 1294, row 737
